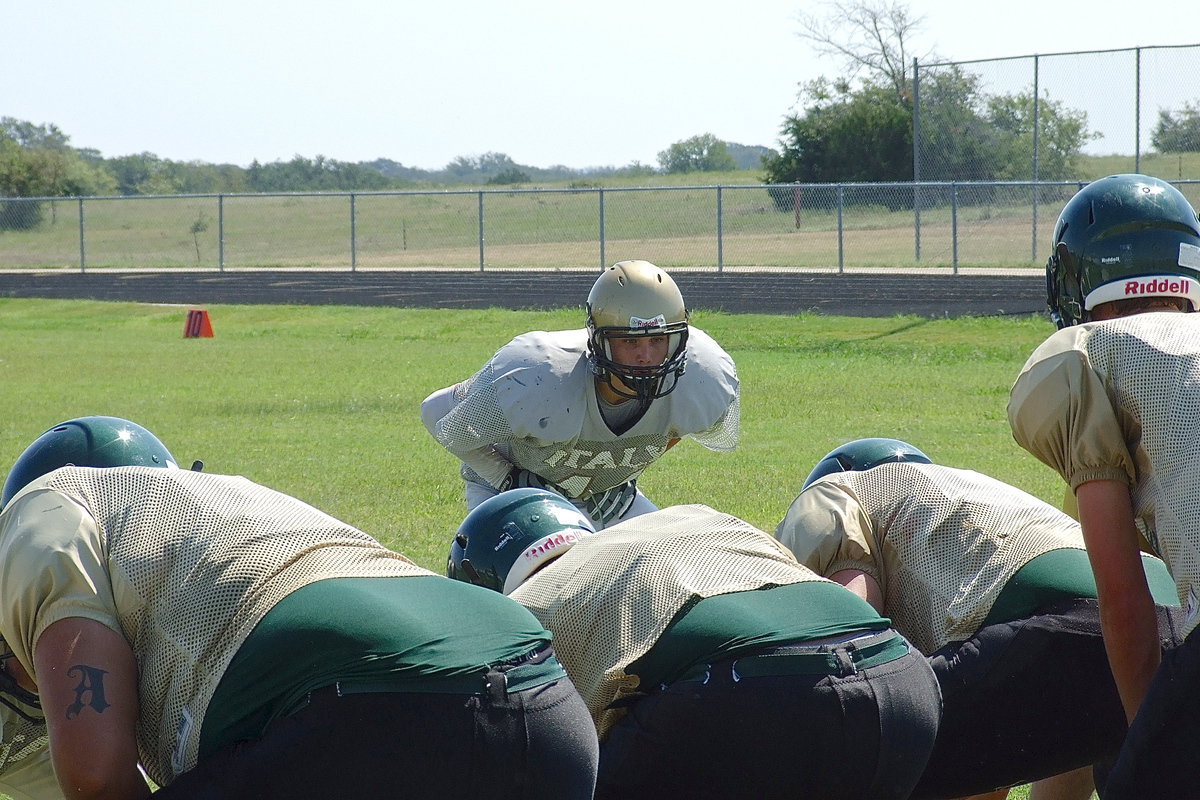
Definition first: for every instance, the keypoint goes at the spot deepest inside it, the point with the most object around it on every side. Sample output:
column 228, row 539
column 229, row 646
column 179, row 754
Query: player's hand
column 603, row 507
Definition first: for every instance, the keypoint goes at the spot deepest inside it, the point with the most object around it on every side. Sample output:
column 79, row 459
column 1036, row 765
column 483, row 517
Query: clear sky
column 545, row 81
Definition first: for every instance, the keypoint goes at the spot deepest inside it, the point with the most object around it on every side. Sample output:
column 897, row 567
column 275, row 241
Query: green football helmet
column 506, row 538
column 863, row 454
column 87, row 442
column 632, row 299
column 1124, row 236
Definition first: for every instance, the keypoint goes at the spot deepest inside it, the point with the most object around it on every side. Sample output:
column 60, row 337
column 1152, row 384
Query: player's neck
column 608, row 394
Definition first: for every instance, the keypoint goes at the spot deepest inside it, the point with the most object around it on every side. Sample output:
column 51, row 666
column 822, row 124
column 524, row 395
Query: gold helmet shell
column 631, row 299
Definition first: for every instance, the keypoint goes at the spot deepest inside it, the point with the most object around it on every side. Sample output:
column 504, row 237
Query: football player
column 713, row 664
column 1111, row 402
column 584, row 412
column 995, row 587
column 237, row 642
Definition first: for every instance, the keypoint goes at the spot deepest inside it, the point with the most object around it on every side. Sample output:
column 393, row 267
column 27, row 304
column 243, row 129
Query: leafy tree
column 36, row 161
column 1177, row 133
column 748, row 156
column 33, row 137
column 957, row 140
column 860, row 127
column 508, row 177
column 1062, row 132
column 480, row 167
column 312, row 175
column 142, row 174
column 703, row 153
column 844, row 135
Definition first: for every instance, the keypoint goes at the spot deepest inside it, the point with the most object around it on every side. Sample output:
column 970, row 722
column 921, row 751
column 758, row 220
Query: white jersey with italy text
column 535, row 405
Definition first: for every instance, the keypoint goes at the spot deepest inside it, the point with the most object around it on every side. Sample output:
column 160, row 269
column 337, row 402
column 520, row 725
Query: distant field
column 672, row 227
column 673, row 220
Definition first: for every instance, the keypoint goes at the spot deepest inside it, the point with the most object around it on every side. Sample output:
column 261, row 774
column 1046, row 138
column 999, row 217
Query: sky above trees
column 234, row 81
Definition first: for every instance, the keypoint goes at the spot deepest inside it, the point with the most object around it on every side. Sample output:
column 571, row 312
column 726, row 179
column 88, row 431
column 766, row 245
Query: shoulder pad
column 541, row 380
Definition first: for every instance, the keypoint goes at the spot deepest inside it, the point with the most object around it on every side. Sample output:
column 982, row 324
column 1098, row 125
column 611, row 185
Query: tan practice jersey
column 534, row 405
column 182, row 564
column 1120, row 400
column 25, row 769
column 942, row 542
column 609, row 598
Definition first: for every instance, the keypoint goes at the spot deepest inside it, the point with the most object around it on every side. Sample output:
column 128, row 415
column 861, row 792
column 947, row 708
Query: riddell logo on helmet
column 550, row 544
column 1176, row 286
column 654, row 322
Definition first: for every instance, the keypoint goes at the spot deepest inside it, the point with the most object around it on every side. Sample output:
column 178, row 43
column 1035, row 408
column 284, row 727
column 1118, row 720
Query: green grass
column 322, row 402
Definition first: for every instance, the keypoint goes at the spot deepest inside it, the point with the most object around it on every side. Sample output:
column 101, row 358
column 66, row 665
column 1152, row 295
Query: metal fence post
column 82, row 248
column 353, row 236
column 1137, row 110
column 603, row 263
column 720, row 233
column 954, row 226
column 841, row 197
column 1036, row 158
column 916, row 122
column 481, row 261
column 220, row 232
column 916, row 221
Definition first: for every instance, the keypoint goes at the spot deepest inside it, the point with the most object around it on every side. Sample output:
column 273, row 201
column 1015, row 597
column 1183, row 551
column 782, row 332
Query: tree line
column 38, row 160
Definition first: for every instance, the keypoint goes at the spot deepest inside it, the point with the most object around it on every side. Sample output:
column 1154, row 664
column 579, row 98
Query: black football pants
column 537, row 744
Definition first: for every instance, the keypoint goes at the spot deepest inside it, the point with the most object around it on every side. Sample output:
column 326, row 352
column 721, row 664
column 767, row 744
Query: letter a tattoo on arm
column 89, row 692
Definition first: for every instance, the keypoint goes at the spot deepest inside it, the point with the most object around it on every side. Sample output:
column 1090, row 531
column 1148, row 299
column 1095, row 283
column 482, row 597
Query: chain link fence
column 1018, row 118
column 948, row 225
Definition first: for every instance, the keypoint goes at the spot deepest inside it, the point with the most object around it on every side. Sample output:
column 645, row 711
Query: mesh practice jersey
column 535, row 405
column 182, row 564
column 941, row 542
column 25, row 769
column 1120, row 400
column 609, row 598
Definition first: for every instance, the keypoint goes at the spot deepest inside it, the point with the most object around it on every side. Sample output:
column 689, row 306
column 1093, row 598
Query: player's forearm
column 1127, row 613
column 489, row 464
column 1131, row 639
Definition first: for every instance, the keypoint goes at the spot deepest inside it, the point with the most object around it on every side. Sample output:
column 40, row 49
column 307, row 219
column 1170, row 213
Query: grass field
column 322, row 402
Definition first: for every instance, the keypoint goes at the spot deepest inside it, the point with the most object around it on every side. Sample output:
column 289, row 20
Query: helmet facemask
column 635, row 382
column 631, row 300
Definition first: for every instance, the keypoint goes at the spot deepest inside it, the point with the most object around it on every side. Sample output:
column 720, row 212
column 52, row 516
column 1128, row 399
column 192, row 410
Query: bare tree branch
column 869, row 36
